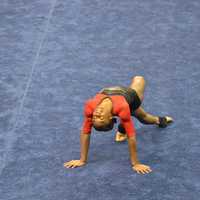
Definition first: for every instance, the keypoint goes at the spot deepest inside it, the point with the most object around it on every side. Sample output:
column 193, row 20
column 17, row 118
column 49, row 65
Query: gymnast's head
column 103, row 119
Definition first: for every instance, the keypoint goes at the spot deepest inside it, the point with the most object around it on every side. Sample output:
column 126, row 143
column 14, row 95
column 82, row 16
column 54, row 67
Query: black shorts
column 129, row 94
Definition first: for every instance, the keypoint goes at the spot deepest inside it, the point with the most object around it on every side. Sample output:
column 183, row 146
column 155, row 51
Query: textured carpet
column 56, row 54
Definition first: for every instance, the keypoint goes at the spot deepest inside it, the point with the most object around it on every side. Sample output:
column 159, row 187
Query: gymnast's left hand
column 74, row 163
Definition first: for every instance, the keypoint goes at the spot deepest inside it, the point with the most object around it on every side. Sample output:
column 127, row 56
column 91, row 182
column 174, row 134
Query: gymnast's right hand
column 74, row 163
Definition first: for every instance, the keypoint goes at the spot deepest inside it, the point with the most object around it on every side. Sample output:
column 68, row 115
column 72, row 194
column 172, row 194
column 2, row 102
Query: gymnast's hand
column 142, row 169
column 74, row 163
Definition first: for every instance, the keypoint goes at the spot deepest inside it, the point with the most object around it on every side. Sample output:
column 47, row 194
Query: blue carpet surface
column 56, row 54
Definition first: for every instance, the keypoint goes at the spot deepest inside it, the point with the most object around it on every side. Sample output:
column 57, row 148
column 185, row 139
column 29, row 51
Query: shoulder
column 88, row 108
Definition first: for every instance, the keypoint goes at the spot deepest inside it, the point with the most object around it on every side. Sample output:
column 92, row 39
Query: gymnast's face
column 101, row 116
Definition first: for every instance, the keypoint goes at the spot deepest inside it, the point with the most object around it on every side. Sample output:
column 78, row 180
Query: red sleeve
column 127, row 122
column 87, row 121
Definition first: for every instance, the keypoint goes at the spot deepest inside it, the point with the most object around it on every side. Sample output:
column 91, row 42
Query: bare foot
column 120, row 137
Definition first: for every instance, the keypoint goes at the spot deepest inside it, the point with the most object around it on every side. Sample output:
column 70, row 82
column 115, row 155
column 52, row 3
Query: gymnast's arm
column 131, row 134
column 132, row 144
column 136, row 165
column 84, row 141
column 85, row 144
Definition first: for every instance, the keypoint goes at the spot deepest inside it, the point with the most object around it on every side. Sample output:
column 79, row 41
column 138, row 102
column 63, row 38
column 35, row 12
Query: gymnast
column 123, row 102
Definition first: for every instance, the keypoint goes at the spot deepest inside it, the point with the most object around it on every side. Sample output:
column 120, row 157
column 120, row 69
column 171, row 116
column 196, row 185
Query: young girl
column 123, row 102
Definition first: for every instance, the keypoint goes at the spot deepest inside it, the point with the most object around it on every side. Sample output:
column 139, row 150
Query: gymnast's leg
column 146, row 118
column 138, row 84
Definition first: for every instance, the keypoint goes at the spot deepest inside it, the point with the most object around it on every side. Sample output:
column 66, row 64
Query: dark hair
column 107, row 127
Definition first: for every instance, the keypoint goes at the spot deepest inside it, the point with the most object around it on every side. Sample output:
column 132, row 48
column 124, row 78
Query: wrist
column 135, row 163
column 83, row 160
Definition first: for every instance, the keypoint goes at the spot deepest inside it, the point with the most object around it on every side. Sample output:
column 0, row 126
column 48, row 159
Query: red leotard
column 120, row 109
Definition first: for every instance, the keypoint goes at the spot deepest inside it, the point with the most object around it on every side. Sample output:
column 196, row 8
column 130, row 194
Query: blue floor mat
column 56, row 54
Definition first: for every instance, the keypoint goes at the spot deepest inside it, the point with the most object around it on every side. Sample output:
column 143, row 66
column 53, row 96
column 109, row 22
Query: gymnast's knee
column 138, row 78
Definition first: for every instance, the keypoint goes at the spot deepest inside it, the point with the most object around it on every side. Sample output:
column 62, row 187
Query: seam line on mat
column 11, row 140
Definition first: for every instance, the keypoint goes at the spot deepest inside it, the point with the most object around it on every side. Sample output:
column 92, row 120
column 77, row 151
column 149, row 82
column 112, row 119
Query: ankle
column 157, row 120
